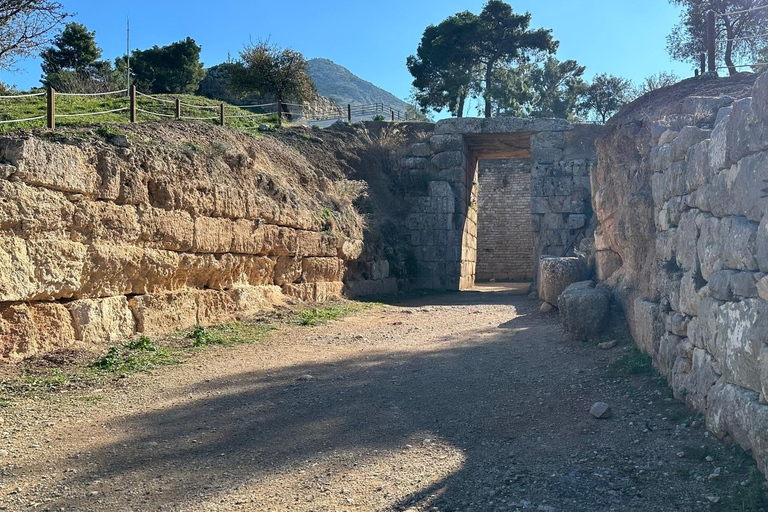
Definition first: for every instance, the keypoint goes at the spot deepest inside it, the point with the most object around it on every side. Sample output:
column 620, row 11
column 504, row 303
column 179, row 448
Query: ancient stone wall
column 163, row 230
column 504, row 234
column 690, row 268
column 443, row 225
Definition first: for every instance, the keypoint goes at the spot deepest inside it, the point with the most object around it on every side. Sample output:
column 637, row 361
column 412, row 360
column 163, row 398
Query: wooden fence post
column 50, row 113
column 133, row 104
column 178, row 109
column 711, row 42
column 349, row 112
column 391, row 111
column 221, row 114
column 279, row 113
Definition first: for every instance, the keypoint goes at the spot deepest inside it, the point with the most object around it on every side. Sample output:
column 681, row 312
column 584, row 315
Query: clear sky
column 373, row 38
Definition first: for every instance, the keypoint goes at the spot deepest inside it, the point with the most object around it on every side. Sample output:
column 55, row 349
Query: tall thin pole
column 128, row 51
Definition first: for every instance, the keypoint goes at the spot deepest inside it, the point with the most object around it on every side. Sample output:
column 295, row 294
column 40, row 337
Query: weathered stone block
column 421, row 149
column 164, row 313
column 577, row 221
column 101, row 321
column 28, row 329
column 584, row 310
column 555, row 274
column 440, row 143
column 646, row 325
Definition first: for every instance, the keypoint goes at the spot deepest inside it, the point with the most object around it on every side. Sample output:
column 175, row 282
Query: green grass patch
column 133, row 357
column 230, row 334
column 194, row 107
column 746, row 498
column 633, row 363
column 325, row 314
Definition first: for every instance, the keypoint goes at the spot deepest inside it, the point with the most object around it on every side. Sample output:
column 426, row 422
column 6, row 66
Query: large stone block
column 556, row 274
column 728, row 243
column 743, row 330
column 607, row 263
column 101, row 321
column 584, row 310
column 440, row 143
column 29, row 329
column 739, row 190
column 688, row 137
column 158, row 314
column 686, row 241
column 646, row 325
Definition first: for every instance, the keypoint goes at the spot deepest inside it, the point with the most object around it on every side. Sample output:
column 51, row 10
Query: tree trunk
column 729, row 47
column 487, row 92
column 460, row 106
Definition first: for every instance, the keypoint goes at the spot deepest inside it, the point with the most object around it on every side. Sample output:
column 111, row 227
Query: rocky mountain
column 341, row 85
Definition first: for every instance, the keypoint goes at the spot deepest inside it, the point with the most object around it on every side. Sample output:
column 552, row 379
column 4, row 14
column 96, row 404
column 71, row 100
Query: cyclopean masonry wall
column 171, row 227
column 683, row 214
column 504, row 238
column 443, row 225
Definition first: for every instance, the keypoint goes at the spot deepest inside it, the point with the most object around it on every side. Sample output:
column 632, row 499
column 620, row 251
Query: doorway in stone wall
column 504, row 234
column 498, row 240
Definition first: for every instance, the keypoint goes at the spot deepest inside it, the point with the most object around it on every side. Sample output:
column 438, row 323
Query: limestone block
column 762, row 288
column 577, row 221
column 229, row 202
column 314, row 292
column 159, row 314
column 252, row 300
column 214, row 307
column 55, row 268
column 311, row 243
column 47, row 164
column 415, row 162
column 351, row 250
column 33, row 211
column 584, row 310
column 665, row 358
column 667, row 137
column 287, row 270
column 760, row 98
column 677, row 324
column 761, row 243
column 16, row 279
column 99, row 221
column 607, row 263
column 764, row 374
column 704, row 109
column 665, row 245
column 743, row 330
column 168, row 230
column 688, row 137
column 697, row 381
column 728, row 243
column 646, row 325
column 102, row 321
column 720, row 284
column 738, row 190
column 697, row 169
column 458, row 126
column 212, row 235
column 738, row 137
column 421, row 149
column 556, row 274
column 322, row 269
column 448, row 160
column 719, row 157
column 738, row 412
column 686, row 241
column 29, row 329
column 744, row 284
column 450, row 142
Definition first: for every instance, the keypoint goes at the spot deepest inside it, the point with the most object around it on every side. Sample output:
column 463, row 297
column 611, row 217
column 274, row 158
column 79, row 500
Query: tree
column 501, row 36
column 606, row 95
column 444, row 67
column 460, row 56
column 25, row 26
column 265, row 69
column 74, row 48
column 657, row 81
column 175, row 68
column 551, row 88
column 738, row 29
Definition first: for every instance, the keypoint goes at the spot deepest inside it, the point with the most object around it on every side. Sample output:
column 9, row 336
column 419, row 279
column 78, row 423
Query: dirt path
column 458, row 402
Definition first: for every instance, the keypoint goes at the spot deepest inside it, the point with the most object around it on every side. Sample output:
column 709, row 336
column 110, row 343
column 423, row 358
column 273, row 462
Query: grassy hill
column 341, row 85
column 194, row 107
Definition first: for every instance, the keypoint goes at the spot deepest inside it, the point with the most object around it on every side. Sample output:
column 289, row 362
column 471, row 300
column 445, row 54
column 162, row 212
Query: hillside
column 341, row 85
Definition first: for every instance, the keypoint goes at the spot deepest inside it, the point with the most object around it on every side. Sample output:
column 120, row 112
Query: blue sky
column 373, row 38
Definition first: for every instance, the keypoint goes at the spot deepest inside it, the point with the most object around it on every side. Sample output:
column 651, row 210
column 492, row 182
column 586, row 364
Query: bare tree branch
column 26, row 26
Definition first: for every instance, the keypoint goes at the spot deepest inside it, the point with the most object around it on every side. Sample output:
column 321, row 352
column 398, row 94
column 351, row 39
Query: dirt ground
column 469, row 401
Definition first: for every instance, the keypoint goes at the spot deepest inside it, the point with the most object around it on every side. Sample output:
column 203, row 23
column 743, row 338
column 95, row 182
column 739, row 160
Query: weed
column 746, row 498
column 143, row 343
column 633, row 363
column 317, row 316
column 202, row 337
column 108, row 131
column 133, row 357
column 378, row 117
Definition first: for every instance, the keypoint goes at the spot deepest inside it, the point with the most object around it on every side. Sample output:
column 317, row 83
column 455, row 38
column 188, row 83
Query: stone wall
column 164, row 230
column 443, row 224
column 697, row 295
column 504, row 235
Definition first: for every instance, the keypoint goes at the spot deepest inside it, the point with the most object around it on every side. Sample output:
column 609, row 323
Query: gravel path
column 456, row 402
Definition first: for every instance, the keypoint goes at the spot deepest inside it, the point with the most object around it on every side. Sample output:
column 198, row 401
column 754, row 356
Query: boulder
column 584, row 310
column 556, row 274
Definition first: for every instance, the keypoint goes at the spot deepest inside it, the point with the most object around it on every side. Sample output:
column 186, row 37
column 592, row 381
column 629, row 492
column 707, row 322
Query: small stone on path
column 608, row 345
column 601, row 411
column 546, row 308
column 306, row 377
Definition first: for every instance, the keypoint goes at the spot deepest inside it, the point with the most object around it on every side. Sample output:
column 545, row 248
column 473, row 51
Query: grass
column 325, row 314
column 202, row 107
column 136, row 356
column 633, row 363
column 230, row 334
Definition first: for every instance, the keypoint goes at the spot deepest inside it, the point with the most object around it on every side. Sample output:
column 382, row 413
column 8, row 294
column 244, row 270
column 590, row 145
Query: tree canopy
column 25, row 27
column 460, row 55
column 74, row 48
column 606, row 95
column 738, row 28
column 267, row 70
column 175, row 68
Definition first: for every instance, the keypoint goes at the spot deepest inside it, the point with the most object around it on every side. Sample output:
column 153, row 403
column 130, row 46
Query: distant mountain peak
column 341, row 85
